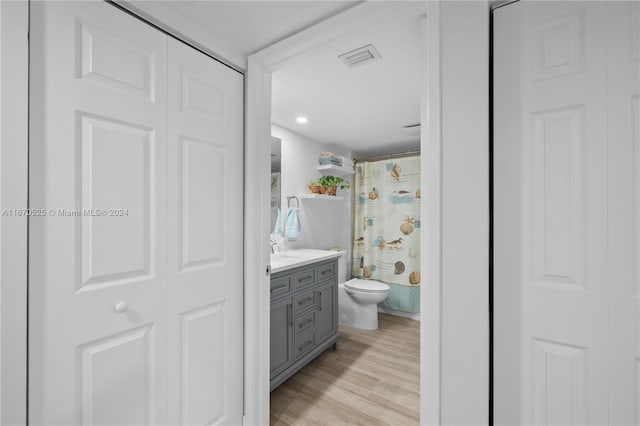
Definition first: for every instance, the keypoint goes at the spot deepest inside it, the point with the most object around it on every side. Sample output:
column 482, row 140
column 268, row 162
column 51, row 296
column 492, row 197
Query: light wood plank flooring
column 371, row 379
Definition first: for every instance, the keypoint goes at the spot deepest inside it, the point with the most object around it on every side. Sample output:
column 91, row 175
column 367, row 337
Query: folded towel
column 323, row 161
column 292, row 225
column 278, row 226
column 329, row 156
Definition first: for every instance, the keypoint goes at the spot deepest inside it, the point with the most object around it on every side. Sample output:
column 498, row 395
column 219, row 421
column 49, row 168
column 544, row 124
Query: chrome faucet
column 274, row 244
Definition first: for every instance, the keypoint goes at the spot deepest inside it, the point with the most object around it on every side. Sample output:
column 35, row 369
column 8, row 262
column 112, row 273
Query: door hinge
column 268, row 270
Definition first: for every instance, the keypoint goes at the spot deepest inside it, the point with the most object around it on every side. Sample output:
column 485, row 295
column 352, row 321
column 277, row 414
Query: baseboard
column 409, row 315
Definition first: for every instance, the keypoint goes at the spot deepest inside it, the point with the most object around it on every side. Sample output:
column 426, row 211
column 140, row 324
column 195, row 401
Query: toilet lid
column 366, row 285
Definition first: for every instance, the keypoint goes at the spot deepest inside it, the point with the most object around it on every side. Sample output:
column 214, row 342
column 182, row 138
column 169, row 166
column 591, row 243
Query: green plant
column 333, row 182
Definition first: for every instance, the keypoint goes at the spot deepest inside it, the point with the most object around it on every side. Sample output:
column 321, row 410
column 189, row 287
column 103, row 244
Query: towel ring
column 293, row 197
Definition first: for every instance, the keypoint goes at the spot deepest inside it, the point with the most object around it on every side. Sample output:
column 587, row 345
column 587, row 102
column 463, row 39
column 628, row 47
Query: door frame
column 14, row 126
column 261, row 65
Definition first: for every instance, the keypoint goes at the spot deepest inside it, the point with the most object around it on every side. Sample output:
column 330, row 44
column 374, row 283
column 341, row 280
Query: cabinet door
column 326, row 318
column 281, row 335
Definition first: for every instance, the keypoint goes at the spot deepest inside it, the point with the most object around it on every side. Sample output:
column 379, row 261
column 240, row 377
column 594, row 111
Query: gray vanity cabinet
column 304, row 316
column 281, row 335
column 326, row 318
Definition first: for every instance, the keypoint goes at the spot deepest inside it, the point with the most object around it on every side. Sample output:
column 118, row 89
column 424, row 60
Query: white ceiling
column 361, row 109
column 364, row 108
column 253, row 25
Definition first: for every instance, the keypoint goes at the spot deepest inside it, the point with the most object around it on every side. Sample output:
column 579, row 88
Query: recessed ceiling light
column 302, row 120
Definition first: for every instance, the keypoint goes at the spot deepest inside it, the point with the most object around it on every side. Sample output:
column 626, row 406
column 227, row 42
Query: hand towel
column 278, row 226
column 292, row 225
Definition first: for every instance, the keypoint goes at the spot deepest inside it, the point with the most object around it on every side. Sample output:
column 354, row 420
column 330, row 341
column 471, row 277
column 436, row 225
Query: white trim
column 261, row 66
column 14, row 71
column 292, row 49
column 431, row 240
column 256, row 249
column 396, row 313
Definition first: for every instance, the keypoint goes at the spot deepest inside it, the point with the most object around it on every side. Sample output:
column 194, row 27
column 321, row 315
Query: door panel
column 130, row 388
column 205, row 239
column 281, row 336
column 326, row 317
column 135, row 288
column 565, row 78
column 98, row 141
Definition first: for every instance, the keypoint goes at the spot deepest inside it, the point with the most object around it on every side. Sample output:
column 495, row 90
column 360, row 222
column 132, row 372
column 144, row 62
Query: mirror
column 276, row 182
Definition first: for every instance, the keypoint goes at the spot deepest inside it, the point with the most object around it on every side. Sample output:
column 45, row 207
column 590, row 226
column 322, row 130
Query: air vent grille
column 360, row 56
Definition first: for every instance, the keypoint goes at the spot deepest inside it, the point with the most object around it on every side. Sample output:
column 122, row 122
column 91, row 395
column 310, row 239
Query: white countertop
column 293, row 258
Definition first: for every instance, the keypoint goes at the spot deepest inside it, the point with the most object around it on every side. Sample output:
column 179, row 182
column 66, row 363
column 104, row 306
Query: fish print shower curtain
column 386, row 244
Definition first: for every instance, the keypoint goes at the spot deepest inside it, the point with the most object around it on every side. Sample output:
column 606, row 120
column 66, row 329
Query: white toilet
column 358, row 299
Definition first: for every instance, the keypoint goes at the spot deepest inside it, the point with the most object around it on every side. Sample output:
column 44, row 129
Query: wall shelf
column 321, row 197
column 332, row 169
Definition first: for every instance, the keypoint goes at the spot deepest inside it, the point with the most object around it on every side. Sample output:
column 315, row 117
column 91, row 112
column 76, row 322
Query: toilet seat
column 366, row 286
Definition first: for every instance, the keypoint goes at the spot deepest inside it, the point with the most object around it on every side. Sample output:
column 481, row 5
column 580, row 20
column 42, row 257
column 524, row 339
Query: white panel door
column 566, row 164
column 205, row 173
column 97, row 273
column 136, row 262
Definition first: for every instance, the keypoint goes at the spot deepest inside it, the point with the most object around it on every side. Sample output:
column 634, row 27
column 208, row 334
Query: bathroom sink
column 293, row 258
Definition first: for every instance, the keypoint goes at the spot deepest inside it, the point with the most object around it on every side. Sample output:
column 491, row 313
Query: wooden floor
column 371, row 379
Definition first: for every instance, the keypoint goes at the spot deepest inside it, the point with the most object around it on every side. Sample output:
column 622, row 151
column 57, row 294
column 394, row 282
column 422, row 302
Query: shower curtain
column 386, row 244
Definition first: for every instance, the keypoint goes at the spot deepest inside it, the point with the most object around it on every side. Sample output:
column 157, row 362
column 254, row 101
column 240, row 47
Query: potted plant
column 314, row 187
column 332, row 183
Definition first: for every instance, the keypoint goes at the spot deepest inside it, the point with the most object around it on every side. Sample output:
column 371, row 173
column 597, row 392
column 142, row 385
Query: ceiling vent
column 360, row 56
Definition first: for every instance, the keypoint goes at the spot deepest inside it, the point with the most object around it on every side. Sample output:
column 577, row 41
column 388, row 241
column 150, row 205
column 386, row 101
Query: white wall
column 465, row 213
column 325, row 224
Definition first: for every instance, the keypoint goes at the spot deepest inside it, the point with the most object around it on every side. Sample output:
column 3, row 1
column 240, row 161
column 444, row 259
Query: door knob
column 121, row 307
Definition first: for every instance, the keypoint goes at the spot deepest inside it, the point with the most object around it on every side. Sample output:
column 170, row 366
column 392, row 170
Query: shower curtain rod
column 388, row 156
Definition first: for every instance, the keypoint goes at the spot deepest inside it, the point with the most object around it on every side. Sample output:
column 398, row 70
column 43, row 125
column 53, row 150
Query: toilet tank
column 342, row 266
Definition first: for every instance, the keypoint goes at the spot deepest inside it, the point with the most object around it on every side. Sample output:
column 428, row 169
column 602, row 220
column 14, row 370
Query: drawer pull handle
column 304, row 324
column 303, row 279
column 278, row 289
column 326, row 271
column 303, row 347
column 320, row 301
column 305, row 301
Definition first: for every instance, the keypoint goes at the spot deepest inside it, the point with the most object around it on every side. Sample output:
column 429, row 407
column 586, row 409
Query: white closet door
column 567, row 222
column 205, row 172
column 97, row 284
column 551, row 121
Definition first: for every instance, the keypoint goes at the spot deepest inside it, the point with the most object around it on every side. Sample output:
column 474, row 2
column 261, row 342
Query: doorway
column 261, row 65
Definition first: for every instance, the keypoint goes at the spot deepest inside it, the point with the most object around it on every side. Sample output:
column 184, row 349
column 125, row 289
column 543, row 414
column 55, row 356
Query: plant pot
column 332, row 190
column 323, row 189
column 315, row 189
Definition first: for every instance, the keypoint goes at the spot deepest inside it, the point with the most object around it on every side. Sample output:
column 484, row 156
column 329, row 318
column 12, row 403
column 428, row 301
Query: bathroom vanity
column 304, row 309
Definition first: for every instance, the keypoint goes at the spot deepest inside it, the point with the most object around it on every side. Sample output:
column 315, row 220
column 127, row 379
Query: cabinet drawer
column 304, row 278
column 304, row 301
column 326, row 271
column 304, row 323
column 280, row 286
column 304, row 344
